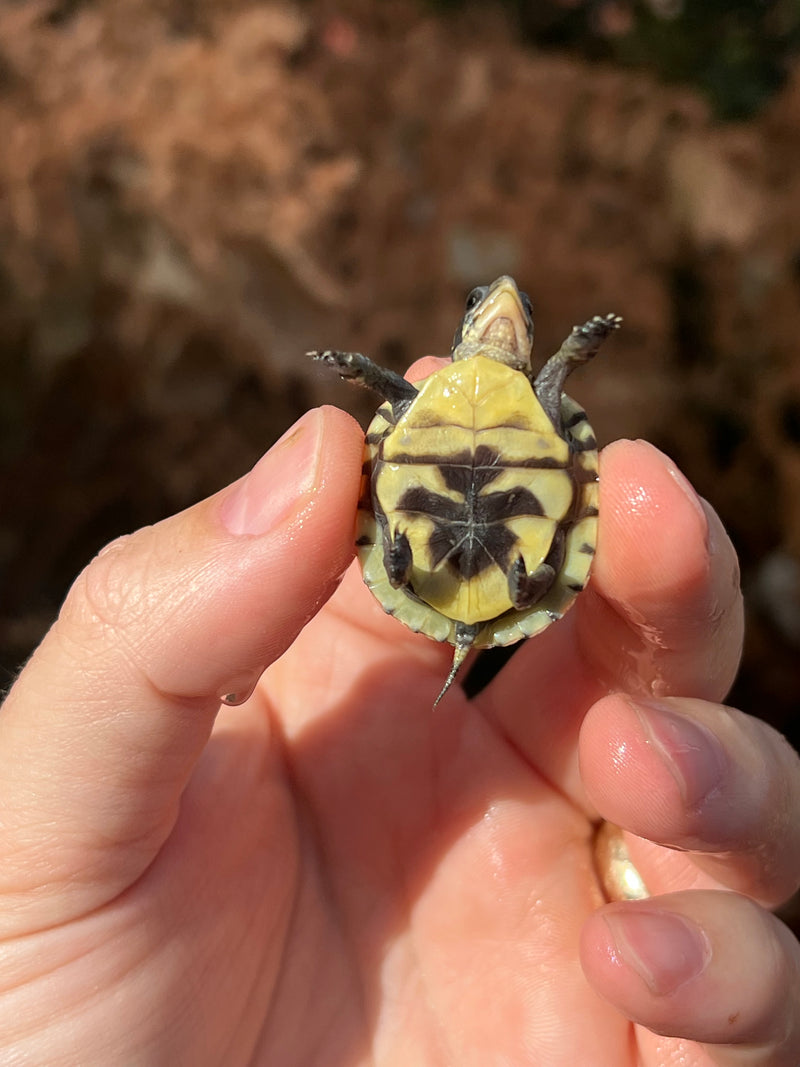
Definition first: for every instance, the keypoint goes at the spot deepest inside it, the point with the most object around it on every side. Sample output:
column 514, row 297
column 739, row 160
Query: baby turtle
column 477, row 521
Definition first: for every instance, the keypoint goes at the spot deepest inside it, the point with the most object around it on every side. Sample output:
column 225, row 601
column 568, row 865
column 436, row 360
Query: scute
column 479, row 401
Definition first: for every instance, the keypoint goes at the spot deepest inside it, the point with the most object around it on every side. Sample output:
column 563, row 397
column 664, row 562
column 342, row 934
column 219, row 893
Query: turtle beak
column 503, row 322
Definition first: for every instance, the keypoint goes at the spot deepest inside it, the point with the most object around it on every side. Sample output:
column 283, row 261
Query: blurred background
column 194, row 192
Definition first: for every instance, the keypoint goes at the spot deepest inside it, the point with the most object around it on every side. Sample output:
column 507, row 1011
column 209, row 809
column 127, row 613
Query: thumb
column 100, row 732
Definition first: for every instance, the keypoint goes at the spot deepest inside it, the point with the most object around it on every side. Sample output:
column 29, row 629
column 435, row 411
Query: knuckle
column 111, row 594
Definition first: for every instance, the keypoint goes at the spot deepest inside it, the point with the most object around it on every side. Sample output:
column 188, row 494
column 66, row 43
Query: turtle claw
column 590, row 335
column 347, row 364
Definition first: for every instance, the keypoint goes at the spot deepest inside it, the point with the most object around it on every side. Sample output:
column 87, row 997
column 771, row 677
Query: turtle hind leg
column 465, row 639
column 581, row 345
column 397, row 559
column 525, row 589
column 355, row 367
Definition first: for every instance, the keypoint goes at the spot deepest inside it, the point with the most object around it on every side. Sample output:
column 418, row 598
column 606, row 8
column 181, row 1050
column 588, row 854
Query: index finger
column 662, row 615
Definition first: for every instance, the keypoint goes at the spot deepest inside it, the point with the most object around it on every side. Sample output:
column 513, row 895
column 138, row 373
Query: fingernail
column 270, row 492
column 665, row 950
column 692, row 754
column 689, row 492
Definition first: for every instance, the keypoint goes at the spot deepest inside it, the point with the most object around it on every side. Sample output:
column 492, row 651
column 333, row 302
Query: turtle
column 477, row 517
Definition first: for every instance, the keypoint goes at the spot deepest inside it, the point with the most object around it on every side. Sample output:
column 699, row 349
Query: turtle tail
column 465, row 639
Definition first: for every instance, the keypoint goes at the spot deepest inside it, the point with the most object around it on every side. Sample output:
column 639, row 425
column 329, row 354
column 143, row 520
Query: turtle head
column 498, row 323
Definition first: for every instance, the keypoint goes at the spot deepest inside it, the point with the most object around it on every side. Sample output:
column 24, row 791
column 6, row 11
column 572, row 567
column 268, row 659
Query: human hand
column 331, row 874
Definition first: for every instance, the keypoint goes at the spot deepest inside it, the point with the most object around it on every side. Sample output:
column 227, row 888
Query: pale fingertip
column 271, row 491
column 425, row 367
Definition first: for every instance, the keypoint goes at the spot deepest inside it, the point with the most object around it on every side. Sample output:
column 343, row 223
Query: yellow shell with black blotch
column 475, row 475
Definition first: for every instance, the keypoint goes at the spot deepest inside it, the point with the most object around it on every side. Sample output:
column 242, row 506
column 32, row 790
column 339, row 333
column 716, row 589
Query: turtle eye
column 475, row 297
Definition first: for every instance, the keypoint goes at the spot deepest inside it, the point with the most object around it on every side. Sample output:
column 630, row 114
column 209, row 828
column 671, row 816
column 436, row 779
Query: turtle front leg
column 354, row 366
column 581, row 345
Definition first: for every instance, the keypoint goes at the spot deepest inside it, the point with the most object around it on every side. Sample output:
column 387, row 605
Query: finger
column 697, row 776
column 426, row 366
column 662, row 613
column 711, row 967
column 101, row 730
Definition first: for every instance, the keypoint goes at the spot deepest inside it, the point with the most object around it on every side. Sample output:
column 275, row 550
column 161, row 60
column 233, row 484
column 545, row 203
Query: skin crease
column 332, row 875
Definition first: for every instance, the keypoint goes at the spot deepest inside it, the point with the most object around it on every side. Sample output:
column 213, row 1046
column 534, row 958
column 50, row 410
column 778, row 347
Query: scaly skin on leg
column 397, row 558
column 524, row 589
column 356, row 367
column 581, row 345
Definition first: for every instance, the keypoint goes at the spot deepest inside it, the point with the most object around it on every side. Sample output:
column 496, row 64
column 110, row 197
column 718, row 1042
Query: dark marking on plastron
column 523, row 425
column 482, row 457
column 430, row 420
column 430, row 459
column 471, row 533
column 475, row 509
column 464, row 458
column 468, row 476
column 470, row 552
column 586, row 549
column 544, row 463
